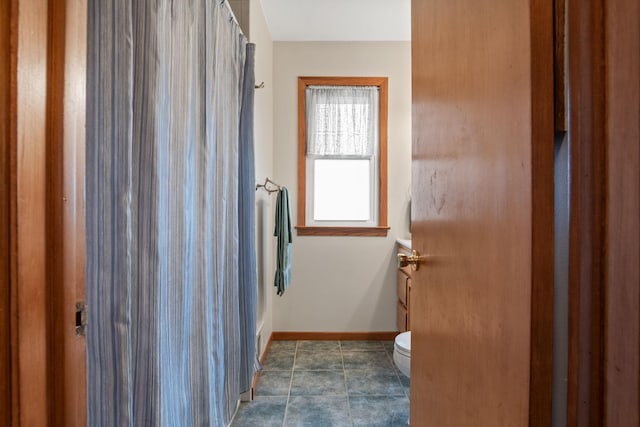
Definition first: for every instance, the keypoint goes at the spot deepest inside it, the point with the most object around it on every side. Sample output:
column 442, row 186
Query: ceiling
column 338, row 20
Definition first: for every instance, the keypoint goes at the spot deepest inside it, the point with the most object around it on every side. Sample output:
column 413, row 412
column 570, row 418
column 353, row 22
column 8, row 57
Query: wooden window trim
column 382, row 228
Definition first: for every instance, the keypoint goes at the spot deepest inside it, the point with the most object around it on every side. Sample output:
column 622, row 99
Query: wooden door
column 482, row 198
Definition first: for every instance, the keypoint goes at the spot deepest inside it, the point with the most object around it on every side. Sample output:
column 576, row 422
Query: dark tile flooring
column 328, row 383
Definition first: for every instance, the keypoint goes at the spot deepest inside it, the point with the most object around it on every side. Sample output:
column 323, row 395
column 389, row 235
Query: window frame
column 382, row 228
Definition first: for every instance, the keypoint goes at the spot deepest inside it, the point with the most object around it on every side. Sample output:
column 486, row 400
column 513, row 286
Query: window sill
column 379, row 231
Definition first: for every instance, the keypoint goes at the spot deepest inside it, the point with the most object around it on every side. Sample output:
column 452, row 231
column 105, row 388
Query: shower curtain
column 171, row 280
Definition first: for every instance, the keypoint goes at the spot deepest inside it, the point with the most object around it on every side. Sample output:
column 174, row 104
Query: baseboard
column 267, row 347
column 333, row 336
column 262, row 358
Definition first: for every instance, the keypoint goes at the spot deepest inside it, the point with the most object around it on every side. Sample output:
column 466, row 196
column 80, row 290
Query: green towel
column 283, row 233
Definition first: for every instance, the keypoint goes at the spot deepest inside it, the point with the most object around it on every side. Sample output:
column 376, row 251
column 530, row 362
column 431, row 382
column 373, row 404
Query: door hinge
column 81, row 318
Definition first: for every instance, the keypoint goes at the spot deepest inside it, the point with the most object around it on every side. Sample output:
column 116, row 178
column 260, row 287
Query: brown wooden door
column 482, row 211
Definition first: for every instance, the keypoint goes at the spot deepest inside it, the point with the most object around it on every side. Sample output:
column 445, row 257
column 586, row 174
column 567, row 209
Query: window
column 342, row 156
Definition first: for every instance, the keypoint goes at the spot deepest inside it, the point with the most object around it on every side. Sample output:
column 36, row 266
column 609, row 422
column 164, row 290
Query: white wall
column 263, row 137
column 343, row 284
column 241, row 12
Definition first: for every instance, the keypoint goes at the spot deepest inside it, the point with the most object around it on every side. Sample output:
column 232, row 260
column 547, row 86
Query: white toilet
column 402, row 352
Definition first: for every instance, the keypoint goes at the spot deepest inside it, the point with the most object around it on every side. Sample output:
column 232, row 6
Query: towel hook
column 266, row 184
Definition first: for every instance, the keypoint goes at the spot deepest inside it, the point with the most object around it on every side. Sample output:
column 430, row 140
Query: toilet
column 402, row 352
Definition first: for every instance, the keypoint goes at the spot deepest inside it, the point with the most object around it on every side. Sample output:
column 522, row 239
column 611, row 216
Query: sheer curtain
column 342, row 120
column 166, row 343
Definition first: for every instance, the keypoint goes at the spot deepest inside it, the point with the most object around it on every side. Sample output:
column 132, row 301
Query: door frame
column 5, row 214
column 604, row 326
column 42, row 110
column 542, row 212
column 588, row 182
column 65, row 222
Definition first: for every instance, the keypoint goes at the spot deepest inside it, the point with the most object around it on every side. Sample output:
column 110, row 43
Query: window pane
column 342, row 190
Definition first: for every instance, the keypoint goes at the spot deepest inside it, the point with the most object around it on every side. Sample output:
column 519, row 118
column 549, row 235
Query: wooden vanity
column 404, row 289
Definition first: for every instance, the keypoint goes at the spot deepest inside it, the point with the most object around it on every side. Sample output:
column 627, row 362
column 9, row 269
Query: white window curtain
column 342, row 121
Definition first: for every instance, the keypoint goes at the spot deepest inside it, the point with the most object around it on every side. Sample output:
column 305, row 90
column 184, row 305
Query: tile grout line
column 397, row 372
column 286, row 406
column 404, row 390
column 346, row 387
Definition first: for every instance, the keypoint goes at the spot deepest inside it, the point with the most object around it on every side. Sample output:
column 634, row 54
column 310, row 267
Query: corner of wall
column 263, row 140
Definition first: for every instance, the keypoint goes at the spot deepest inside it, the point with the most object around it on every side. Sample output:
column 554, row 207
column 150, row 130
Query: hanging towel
column 283, row 233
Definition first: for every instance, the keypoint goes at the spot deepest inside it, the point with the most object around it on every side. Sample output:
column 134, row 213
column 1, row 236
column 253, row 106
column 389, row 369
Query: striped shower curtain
column 171, row 280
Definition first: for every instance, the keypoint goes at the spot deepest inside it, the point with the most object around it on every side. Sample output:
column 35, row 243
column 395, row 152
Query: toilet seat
column 402, row 353
column 403, row 343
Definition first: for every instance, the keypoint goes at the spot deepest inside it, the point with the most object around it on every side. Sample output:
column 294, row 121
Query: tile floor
column 328, row 383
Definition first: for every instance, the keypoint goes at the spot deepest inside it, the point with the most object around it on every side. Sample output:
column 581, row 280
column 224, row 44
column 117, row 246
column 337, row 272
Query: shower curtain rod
column 233, row 17
column 267, row 181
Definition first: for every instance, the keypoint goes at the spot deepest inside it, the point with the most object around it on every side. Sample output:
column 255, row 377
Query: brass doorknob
column 414, row 260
